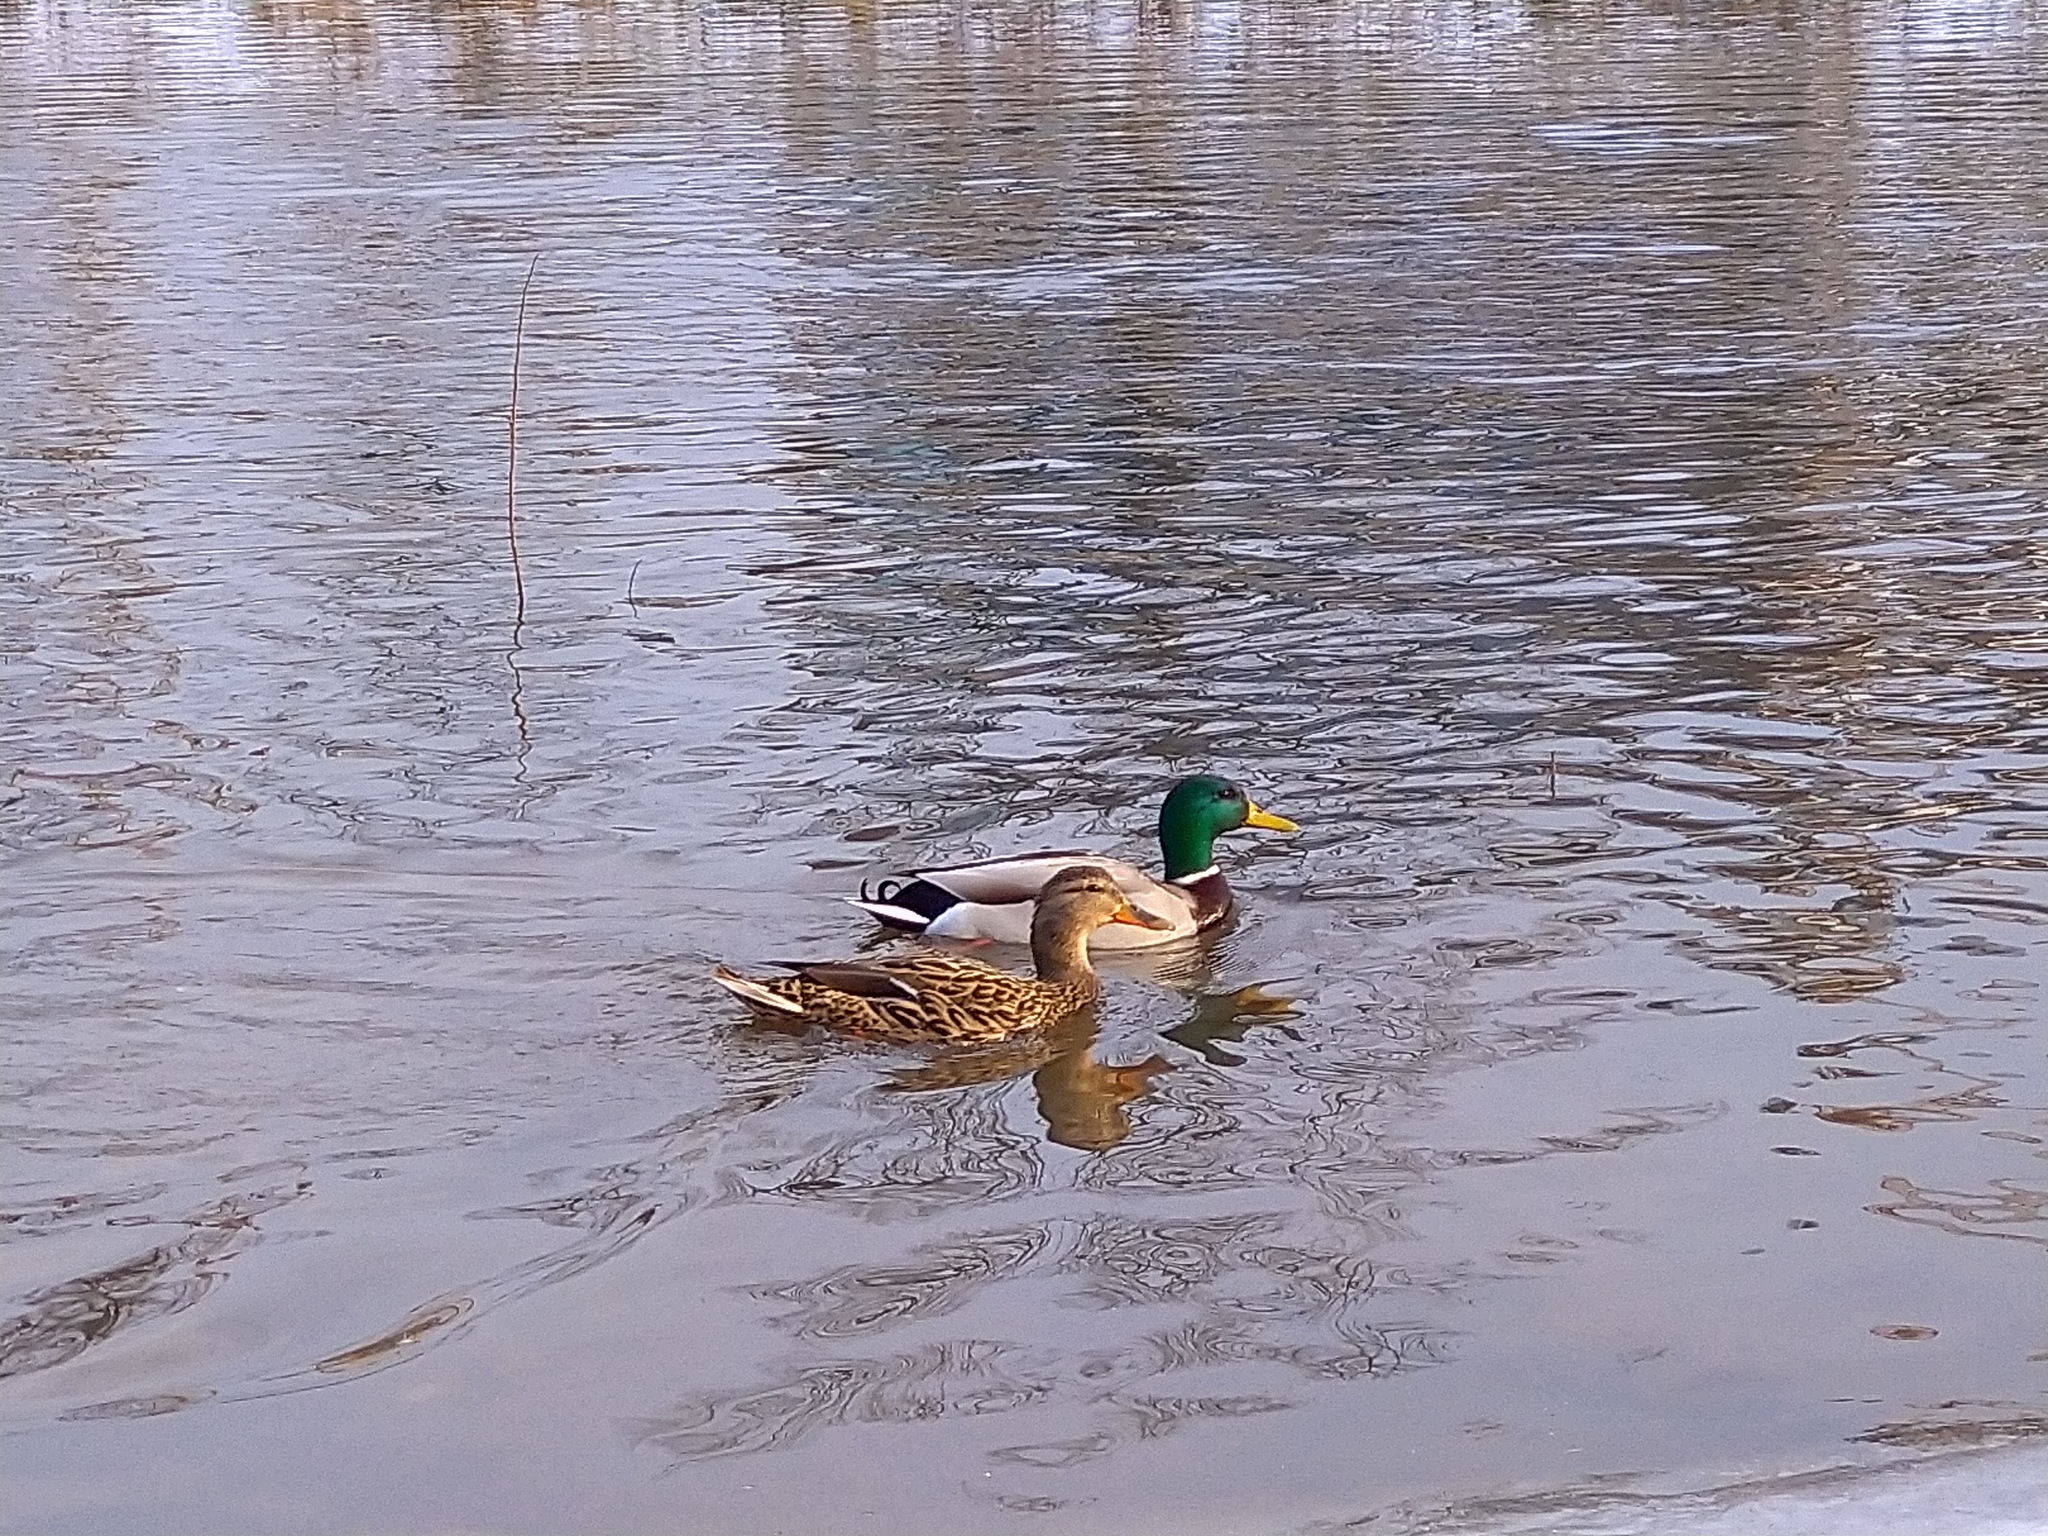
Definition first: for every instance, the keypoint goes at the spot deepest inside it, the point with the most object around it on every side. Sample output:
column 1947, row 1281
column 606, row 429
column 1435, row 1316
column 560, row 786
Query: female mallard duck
column 993, row 900
column 946, row 999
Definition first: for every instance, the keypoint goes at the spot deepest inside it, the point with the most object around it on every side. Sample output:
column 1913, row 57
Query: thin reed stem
column 512, row 446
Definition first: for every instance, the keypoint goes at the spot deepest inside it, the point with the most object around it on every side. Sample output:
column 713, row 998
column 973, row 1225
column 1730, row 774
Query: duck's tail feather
column 752, row 992
column 891, row 916
column 910, row 906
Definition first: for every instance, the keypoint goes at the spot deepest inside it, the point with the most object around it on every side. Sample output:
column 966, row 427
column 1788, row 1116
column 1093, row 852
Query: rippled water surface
column 1583, row 463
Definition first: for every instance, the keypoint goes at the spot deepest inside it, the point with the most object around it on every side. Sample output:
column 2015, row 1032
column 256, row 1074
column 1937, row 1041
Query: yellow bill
column 1254, row 817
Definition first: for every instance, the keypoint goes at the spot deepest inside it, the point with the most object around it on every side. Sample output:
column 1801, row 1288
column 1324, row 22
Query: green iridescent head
column 1200, row 810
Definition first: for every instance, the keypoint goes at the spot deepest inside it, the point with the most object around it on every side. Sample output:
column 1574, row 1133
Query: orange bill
column 1137, row 917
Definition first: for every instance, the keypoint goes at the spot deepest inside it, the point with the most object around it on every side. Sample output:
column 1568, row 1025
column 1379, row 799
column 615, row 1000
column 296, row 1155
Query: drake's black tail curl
column 928, row 901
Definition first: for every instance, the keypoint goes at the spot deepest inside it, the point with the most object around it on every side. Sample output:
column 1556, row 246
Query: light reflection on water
column 1587, row 470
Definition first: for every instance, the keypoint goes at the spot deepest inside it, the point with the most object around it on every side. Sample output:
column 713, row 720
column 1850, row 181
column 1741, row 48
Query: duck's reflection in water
column 1230, row 1016
column 1080, row 1098
column 1083, row 1100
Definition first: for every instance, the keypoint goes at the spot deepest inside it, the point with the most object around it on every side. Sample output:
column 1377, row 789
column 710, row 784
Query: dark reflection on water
column 1584, row 464
column 60, row 1322
column 1245, row 1297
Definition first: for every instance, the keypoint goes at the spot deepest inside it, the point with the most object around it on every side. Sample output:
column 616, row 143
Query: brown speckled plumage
column 946, row 999
column 956, row 1001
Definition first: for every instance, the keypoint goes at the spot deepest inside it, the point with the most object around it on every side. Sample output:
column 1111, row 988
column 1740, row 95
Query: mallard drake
column 948, row 999
column 992, row 900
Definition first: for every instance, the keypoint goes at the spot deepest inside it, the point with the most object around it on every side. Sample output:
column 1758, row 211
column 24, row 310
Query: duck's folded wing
column 999, row 882
column 852, row 978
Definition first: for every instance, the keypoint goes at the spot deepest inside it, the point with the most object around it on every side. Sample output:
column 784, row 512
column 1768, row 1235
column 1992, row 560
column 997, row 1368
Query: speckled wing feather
column 850, row 976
